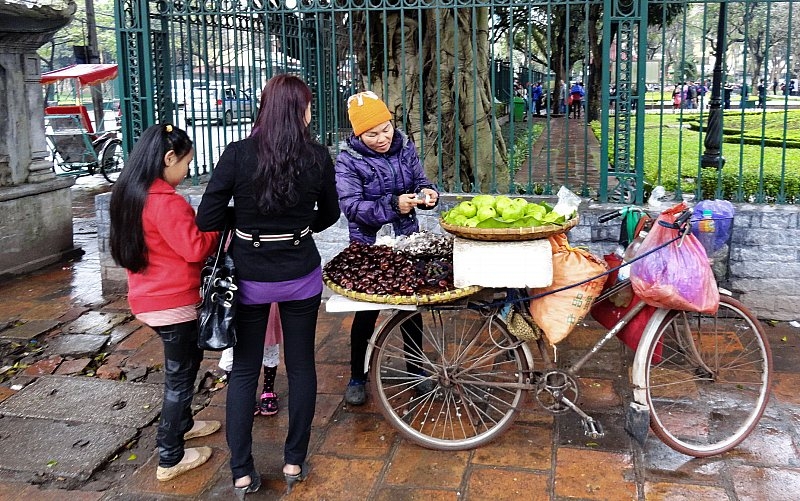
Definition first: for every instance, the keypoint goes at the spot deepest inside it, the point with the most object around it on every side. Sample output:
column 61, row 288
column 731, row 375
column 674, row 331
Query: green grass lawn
column 673, row 146
column 651, row 98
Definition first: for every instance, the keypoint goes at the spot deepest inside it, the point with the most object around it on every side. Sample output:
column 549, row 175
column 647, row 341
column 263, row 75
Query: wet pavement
column 80, row 386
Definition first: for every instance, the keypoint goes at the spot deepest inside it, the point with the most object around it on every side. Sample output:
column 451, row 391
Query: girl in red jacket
column 154, row 237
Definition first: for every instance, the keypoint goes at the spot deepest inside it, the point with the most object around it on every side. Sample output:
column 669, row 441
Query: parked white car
column 221, row 105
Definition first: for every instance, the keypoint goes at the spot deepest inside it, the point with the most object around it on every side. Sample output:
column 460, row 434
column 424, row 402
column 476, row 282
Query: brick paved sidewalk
column 355, row 454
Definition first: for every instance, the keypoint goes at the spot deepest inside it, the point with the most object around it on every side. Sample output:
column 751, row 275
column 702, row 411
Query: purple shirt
column 252, row 292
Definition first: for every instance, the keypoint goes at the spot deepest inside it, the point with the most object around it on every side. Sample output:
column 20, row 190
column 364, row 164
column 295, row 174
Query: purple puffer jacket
column 369, row 183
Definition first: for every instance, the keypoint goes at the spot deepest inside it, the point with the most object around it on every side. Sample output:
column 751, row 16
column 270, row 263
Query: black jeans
column 299, row 320
column 361, row 332
column 182, row 359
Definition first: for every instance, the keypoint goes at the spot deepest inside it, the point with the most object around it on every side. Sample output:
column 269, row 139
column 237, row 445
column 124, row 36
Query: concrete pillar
column 23, row 150
column 35, row 205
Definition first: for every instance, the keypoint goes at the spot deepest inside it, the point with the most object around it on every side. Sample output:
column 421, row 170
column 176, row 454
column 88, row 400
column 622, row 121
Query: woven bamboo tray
column 508, row 234
column 418, row 299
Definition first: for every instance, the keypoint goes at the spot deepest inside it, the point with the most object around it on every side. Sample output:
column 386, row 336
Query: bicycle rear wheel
column 112, row 160
column 478, row 369
column 708, row 378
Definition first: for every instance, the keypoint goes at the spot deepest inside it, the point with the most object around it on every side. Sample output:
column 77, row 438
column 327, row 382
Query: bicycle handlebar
column 608, row 216
column 680, row 221
column 679, row 224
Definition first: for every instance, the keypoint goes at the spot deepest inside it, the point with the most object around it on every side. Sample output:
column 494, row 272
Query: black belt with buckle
column 256, row 237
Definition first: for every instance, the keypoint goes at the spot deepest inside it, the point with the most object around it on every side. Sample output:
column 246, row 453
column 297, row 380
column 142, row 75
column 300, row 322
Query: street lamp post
column 712, row 156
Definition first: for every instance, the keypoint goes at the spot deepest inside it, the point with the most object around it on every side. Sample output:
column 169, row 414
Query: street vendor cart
column 700, row 381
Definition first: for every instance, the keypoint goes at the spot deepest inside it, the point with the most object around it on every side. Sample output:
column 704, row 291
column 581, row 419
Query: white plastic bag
column 568, row 203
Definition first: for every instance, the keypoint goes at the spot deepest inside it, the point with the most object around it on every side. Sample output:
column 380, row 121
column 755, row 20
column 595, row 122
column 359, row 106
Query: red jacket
column 176, row 250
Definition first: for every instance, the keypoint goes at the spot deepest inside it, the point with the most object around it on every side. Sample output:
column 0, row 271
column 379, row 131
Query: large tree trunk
column 559, row 54
column 449, row 94
column 595, row 65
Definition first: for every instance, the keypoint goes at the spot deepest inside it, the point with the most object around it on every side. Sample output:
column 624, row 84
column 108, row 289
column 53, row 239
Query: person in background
column 689, row 95
column 676, row 98
column 536, row 98
column 576, row 93
column 283, row 185
column 745, row 90
column 762, row 94
column 562, row 97
column 726, row 96
column 267, row 403
column 380, row 181
column 154, row 237
column 702, row 89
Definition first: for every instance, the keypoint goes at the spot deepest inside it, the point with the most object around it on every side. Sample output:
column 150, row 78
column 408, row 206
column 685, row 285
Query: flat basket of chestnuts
column 417, row 269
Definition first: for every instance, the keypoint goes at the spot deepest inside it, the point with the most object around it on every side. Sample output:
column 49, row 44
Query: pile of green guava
column 501, row 211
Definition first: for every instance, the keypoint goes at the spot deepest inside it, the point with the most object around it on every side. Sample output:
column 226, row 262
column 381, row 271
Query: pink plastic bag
column 677, row 276
column 274, row 327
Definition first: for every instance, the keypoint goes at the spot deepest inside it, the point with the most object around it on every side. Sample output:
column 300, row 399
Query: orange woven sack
column 558, row 313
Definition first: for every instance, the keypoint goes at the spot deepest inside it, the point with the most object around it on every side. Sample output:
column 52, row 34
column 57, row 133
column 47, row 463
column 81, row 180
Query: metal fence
column 698, row 97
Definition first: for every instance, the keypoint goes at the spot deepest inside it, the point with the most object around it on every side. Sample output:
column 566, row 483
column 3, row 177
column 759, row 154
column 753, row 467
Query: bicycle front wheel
column 708, row 378
column 470, row 384
column 112, row 160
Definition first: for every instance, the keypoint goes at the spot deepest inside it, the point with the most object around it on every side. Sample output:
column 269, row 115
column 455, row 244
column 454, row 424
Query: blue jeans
column 182, row 360
column 299, row 321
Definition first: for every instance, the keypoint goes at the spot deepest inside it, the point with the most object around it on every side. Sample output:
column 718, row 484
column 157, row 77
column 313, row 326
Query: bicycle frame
column 700, row 381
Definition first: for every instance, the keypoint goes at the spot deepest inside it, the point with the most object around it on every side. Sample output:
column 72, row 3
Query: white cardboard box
column 527, row 263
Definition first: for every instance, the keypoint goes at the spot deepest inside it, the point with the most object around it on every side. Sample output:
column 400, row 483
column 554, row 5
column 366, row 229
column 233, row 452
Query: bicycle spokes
column 709, row 386
column 477, row 369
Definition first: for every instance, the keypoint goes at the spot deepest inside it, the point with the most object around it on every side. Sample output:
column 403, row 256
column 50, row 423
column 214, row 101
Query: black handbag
column 218, row 290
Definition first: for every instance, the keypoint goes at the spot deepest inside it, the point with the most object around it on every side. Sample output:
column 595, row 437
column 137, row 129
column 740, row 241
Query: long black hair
column 283, row 143
column 145, row 164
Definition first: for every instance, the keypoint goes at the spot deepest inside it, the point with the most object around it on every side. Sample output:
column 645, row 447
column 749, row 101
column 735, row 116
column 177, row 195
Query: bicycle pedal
column 593, row 429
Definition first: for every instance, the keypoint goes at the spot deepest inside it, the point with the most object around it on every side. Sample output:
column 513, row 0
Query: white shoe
column 203, row 453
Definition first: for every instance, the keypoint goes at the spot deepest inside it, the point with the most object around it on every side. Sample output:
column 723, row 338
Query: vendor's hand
column 407, row 201
column 431, row 197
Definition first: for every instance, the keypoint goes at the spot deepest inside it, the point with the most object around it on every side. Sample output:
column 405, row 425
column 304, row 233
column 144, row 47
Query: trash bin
column 519, row 109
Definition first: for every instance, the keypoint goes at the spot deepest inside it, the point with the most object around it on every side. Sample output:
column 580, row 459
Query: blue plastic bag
column 722, row 211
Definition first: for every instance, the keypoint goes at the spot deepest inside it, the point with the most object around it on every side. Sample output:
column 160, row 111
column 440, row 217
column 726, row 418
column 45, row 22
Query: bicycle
column 700, row 381
column 77, row 149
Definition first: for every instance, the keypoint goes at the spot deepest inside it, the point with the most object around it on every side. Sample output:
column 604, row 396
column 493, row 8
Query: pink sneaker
column 268, row 406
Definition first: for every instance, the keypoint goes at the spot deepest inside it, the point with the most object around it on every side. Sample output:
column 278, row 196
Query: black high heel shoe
column 253, row 486
column 297, row 477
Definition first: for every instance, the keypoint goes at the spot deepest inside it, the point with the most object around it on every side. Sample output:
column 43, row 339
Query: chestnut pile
column 380, row 269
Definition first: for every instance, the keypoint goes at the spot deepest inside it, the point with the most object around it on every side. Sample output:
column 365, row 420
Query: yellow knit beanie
column 366, row 110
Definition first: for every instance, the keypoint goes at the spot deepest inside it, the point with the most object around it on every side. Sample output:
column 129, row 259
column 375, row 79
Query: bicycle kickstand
column 591, row 427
